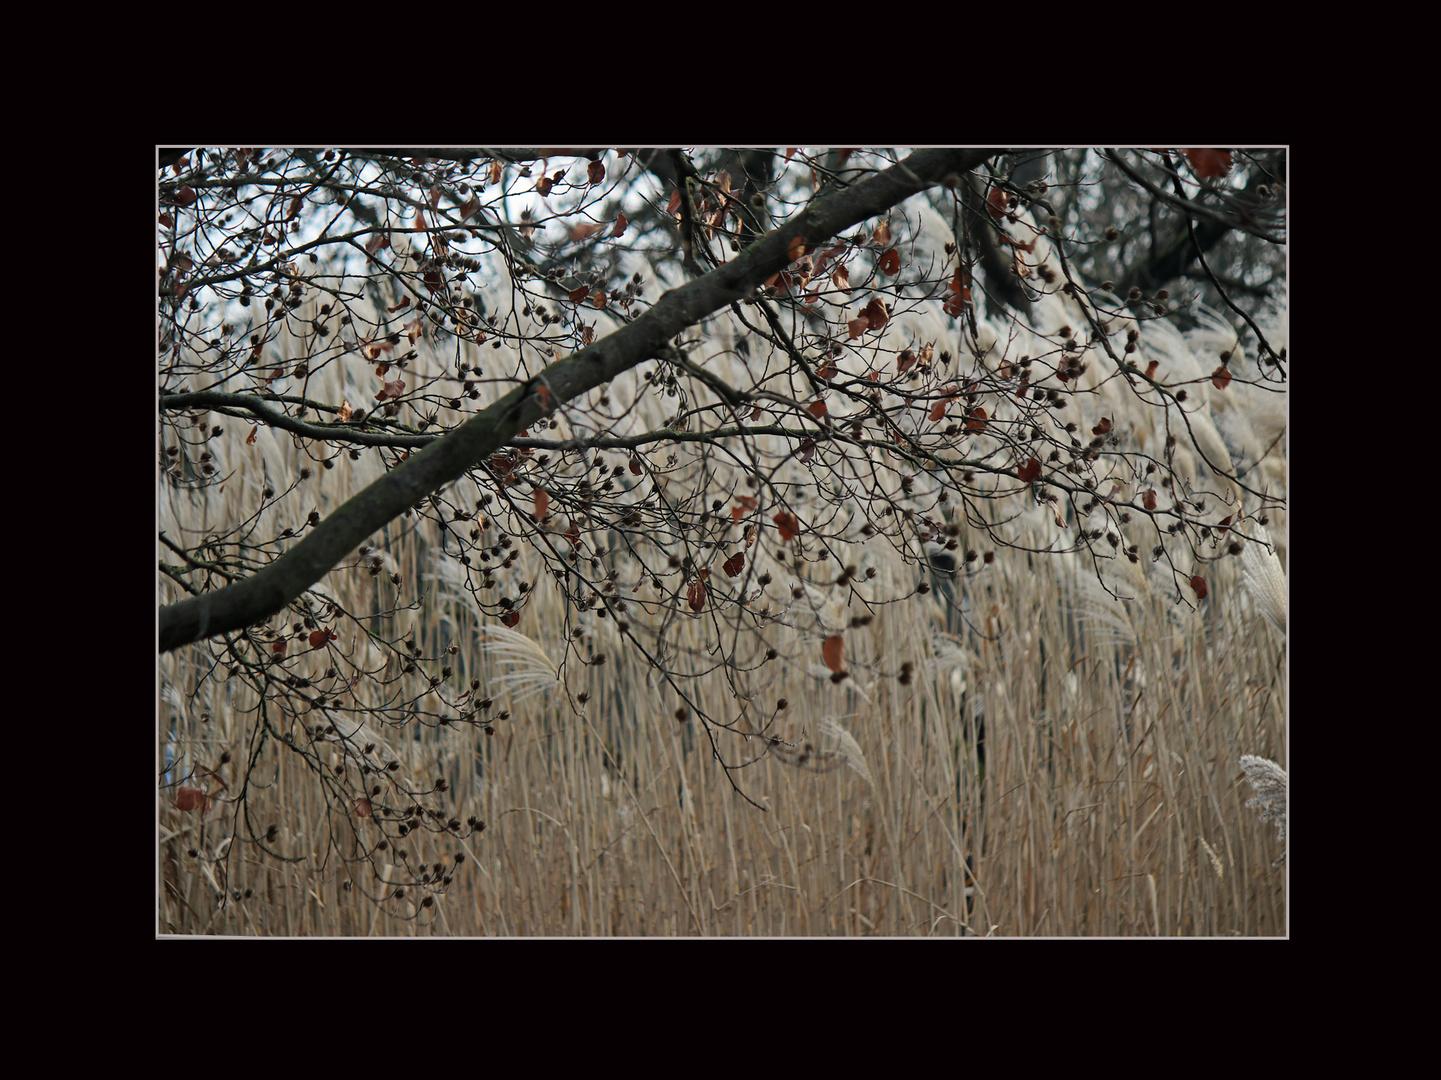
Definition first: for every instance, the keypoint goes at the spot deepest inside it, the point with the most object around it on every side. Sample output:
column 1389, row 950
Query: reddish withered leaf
column 1030, row 470
column 831, row 653
column 735, row 564
column 541, row 501
column 826, row 256
column 510, row 618
column 391, row 389
column 620, row 221
column 189, row 798
column 877, row 314
column 695, row 595
column 1221, row 378
column 1148, row 499
column 595, row 172
column 891, row 263
column 504, row 464
column 882, row 234
column 996, row 202
column 938, row 410
column 797, row 249
column 816, row 408
column 1209, row 164
column 362, row 807
column 976, row 419
column 319, row 637
column 744, row 504
column 787, row 526
column 1198, row 584
column 634, row 465
column 578, row 295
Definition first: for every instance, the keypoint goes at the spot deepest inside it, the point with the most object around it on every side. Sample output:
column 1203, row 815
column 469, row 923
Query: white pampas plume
column 528, row 669
column 847, row 747
column 1216, row 863
column 1269, row 782
column 1262, row 576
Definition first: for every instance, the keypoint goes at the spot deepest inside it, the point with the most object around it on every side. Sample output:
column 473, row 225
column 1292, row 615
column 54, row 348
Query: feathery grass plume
column 1216, row 863
column 846, row 745
column 531, row 670
column 952, row 661
column 832, row 747
column 1269, row 781
column 1263, row 578
column 172, row 697
column 1098, row 604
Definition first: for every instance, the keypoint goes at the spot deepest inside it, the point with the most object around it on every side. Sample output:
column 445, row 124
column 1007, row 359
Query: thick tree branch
column 268, row 591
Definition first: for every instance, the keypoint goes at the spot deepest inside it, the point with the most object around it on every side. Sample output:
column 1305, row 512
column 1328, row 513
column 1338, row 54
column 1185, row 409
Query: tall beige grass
column 1098, row 795
column 1062, row 761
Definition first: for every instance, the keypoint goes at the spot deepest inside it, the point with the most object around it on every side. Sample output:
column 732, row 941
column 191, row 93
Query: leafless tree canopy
column 729, row 403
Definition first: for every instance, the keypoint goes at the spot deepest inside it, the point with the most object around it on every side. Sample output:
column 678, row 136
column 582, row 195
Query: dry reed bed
column 1109, row 801
column 1068, row 765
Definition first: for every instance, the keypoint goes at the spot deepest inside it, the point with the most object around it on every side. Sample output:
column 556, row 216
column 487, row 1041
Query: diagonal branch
column 269, row 590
